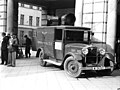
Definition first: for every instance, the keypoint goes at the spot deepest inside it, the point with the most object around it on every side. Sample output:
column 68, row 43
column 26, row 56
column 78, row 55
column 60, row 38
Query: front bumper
column 95, row 68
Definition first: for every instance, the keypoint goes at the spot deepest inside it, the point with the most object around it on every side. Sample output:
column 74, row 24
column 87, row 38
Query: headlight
column 102, row 51
column 85, row 51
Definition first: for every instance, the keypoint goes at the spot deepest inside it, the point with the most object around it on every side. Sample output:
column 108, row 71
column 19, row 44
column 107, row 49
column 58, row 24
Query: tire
column 41, row 57
column 107, row 72
column 72, row 67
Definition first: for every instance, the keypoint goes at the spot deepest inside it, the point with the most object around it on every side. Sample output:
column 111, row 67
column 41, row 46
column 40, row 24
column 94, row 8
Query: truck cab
column 73, row 48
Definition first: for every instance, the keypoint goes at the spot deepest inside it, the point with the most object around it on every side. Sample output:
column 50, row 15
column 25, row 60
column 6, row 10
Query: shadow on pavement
column 91, row 74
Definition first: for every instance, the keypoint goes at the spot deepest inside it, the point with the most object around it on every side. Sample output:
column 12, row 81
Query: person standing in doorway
column 27, row 46
column 4, row 49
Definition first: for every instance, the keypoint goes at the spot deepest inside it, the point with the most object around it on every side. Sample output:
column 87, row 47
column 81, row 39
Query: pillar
column 78, row 12
column 12, row 16
column 111, row 24
column 3, row 13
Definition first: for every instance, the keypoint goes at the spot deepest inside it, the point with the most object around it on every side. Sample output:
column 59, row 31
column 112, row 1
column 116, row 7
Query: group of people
column 9, row 49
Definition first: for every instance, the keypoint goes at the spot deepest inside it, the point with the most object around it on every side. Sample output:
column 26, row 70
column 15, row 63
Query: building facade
column 29, row 17
column 100, row 16
column 3, row 15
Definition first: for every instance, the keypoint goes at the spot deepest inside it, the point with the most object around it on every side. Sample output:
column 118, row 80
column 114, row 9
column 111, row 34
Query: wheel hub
column 72, row 67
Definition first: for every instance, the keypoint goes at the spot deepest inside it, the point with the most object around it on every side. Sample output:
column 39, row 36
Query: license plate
column 98, row 68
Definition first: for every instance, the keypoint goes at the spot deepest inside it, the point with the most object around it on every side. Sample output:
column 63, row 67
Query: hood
column 98, row 45
column 77, row 45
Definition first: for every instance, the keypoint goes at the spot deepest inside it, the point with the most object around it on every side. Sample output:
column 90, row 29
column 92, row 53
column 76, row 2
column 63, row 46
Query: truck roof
column 64, row 27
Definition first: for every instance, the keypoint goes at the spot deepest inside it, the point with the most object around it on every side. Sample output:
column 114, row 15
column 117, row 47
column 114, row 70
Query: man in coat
column 4, row 49
column 27, row 46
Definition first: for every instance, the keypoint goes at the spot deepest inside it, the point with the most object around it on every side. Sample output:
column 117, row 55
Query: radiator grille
column 91, row 57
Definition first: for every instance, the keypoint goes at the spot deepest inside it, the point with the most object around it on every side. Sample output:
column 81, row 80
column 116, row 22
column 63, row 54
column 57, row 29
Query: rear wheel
column 72, row 67
column 41, row 57
column 107, row 71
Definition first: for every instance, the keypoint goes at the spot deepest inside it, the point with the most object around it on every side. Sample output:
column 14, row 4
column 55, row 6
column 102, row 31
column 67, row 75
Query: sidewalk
column 23, row 49
column 29, row 75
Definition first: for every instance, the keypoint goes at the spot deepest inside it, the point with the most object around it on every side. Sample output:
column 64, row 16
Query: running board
column 53, row 62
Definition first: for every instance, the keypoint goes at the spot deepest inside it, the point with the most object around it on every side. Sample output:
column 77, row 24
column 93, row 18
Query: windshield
column 77, row 36
column 84, row 37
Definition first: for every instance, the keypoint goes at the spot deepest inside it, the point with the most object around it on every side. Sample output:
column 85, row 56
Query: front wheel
column 72, row 67
column 41, row 57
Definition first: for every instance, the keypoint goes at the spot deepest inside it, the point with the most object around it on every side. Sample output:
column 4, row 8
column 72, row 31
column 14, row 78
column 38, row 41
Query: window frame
column 22, row 19
column 30, row 20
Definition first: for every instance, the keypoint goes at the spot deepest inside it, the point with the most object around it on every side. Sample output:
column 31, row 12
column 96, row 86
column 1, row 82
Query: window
column 95, row 17
column 30, row 34
column 37, row 21
column 21, row 38
column 31, row 6
column 30, row 20
column 77, row 36
column 21, row 34
column 22, row 19
column 22, row 5
column 37, row 8
column 58, row 34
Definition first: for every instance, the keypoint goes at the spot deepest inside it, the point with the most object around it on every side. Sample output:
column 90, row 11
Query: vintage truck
column 73, row 48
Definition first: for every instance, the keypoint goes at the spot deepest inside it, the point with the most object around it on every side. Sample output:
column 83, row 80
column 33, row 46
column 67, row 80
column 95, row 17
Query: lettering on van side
column 45, row 43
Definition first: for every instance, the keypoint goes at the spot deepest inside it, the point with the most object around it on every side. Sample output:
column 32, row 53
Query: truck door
column 48, row 34
column 34, row 40
column 58, row 44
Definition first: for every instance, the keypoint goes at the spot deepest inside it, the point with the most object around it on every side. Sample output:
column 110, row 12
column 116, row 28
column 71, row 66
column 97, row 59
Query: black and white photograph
column 59, row 44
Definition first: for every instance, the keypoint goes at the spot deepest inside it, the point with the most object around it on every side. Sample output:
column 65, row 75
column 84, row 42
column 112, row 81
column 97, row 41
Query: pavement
column 29, row 75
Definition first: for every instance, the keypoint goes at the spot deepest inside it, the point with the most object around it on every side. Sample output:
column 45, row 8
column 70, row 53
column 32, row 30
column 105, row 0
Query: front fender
column 76, row 56
column 109, row 56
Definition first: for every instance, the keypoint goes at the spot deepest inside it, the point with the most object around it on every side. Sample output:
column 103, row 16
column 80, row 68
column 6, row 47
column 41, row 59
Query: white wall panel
column 2, row 8
column 78, row 12
column 29, row 12
column 2, row 22
column 2, row 2
column 2, row 15
column 111, row 25
column 99, row 20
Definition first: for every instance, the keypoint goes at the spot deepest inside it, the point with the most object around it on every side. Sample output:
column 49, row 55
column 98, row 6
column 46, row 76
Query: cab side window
column 58, row 34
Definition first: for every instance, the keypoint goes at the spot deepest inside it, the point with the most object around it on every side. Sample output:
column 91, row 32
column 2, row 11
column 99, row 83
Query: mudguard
column 109, row 56
column 76, row 56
